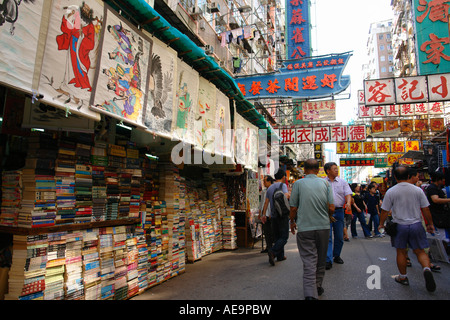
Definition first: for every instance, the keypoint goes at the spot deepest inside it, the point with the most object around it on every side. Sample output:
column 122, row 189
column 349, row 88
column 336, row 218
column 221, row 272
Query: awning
column 140, row 12
column 415, row 155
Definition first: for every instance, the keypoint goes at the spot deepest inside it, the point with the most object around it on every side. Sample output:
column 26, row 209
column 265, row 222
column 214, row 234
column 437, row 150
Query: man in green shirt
column 312, row 208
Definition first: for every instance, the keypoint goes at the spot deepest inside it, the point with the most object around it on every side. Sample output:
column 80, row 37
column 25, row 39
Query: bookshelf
column 69, row 227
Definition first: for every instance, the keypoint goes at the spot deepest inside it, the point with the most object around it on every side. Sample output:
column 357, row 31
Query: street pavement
column 245, row 274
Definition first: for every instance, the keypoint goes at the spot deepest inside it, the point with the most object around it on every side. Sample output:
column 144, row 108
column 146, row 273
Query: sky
column 343, row 26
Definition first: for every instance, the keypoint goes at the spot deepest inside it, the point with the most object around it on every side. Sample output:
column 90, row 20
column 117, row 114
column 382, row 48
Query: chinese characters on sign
column 432, row 34
column 298, row 29
column 420, row 89
column 322, row 134
column 318, row 77
column 396, row 110
column 319, row 110
column 370, row 147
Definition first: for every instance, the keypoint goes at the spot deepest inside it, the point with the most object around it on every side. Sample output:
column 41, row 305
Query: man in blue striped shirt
column 342, row 197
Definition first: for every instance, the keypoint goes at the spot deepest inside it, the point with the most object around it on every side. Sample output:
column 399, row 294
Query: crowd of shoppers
column 318, row 210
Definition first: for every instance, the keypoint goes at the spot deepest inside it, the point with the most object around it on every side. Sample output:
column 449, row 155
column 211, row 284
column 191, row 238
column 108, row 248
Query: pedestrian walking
column 407, row 202
column 342, row 197
column 359, row 208
column 265, row 219
column 413, row 178
column 280, row 225
column 312, row 211
column 373, row 208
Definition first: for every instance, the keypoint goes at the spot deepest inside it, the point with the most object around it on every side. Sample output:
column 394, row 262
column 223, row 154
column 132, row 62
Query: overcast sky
column 343, row 26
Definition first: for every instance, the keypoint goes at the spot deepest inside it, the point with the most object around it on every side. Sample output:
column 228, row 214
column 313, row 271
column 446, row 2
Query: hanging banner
column 71, row 56
column 158, row 113
column 240, row 132
column 432, row 36
column 19, row 39
column 205, row 116
column 122, row 79
column 318, row 77
column 222, row 122
column 298, row 29
column 186, row 103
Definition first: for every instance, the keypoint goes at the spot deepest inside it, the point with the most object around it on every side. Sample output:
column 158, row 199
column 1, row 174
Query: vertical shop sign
column 298, row 29
column 432, row 35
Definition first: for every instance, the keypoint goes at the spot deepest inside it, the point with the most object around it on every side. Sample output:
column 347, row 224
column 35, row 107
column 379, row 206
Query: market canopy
column 141, row 13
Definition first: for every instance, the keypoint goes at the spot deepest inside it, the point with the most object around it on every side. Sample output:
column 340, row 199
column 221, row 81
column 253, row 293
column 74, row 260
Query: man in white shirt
column 407, row 203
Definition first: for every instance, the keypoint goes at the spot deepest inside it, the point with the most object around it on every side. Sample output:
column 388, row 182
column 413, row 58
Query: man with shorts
column 406, row 202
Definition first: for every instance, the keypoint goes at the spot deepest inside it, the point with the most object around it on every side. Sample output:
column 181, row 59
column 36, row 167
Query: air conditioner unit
column 202, row 25
column 209, row 49
column 213, row 7
column 195, row 12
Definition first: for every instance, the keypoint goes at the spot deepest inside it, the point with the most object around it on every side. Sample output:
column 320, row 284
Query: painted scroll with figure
column 70, row 56
column 158, row 114
column 223, row 124
column 19, row 37
column 122, row 79
column 186, row 103
column 204, row 116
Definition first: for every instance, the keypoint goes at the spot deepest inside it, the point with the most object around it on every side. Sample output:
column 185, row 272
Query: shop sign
column 298, row 29
column 381, row 162
column 309, row 78
column 431, row 19
column 322, row 134
column 407, row 90
column 356, row 162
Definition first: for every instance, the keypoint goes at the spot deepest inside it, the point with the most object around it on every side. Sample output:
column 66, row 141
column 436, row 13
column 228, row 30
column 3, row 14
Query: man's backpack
column 280, row 203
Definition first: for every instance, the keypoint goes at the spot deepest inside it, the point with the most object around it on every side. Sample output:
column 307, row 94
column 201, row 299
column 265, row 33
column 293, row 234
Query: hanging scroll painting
column 240, row 129
column 223, row 124
column 186, row 103
column 122, row 79
column 158, row 114
column 19, row 39
column 70, row 57
column 204, row 116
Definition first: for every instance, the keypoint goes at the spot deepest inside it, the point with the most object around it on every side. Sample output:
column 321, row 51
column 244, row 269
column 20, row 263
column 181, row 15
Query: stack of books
column 38, row 203
column 229, row 231
column 55, row 268
column 91, row 264
column 11, row 196
column 83, row 192
column 143, row 255
column 99, row 161
column 132, row 263
column 193, row 250
column 120, row 263
column 125, row 192
column 135, row 199
column 107, row 268
column 74, row 288
column 112, row 193
column 65, row 181
column 27, row 274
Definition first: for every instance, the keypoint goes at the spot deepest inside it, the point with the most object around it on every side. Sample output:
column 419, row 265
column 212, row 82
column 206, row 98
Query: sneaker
column 429, row 281
column 404, row 281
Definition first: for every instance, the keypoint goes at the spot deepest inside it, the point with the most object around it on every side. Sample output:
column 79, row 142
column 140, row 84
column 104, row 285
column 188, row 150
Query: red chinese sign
column 322, row 134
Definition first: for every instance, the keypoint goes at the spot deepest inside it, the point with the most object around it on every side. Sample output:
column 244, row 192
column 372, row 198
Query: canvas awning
column 147, row 18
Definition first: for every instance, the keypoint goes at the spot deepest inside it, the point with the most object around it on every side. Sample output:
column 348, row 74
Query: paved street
column 245, row 274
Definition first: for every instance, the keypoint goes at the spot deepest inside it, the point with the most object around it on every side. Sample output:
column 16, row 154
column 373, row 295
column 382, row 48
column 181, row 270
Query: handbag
column 391, row 228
